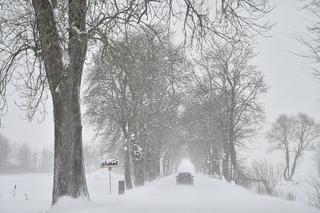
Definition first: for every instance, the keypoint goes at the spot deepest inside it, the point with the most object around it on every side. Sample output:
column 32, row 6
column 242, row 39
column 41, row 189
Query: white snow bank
column 208, row 195
column 38, row 188
column 68, row 204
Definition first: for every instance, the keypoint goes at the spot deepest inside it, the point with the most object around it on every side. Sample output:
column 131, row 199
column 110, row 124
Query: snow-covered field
column 162, row 196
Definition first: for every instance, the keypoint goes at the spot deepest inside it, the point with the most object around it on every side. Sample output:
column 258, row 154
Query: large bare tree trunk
column 127, row 173
column 65, row 81
column 69, row 174
column 127, row 160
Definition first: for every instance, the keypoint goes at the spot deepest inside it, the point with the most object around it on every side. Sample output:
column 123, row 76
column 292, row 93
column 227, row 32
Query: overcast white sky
column 292, row 87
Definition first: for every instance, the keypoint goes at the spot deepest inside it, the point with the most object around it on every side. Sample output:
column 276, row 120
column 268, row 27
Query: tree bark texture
column 225, row 162
column 64, row 82
column 69, row 174
column 139, row 172
column 127, row 172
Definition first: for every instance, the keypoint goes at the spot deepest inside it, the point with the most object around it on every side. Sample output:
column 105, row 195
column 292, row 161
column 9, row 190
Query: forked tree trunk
column 64, row 81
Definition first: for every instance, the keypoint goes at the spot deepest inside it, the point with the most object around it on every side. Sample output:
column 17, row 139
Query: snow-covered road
column 208, row 195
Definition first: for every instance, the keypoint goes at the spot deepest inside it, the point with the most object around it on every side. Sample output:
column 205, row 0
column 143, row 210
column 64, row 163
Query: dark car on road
column 184, row 178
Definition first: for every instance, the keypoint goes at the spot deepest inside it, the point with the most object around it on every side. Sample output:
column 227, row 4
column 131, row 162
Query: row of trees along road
column 136, row 98
column 44, row 43
column 223, row 107
column 133, row 95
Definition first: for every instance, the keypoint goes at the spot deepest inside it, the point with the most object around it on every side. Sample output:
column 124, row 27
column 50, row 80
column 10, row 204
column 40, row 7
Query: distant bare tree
column 24, row 156
column 293, row 135
column 46, row 160
column 307, row 132
column 4, row 152
column 282, row 134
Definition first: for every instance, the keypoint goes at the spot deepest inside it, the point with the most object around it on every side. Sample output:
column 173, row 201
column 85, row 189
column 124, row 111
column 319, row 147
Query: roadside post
column 109, row 164
column 110, row 169
column 121, row 188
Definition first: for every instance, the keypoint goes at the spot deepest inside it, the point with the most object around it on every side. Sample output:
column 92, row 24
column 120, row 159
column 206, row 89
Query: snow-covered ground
column 306, row 170
column 162, row 196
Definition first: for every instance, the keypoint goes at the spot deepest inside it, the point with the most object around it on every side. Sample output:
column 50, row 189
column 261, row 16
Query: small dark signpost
column 109, row 164
column 121, row 187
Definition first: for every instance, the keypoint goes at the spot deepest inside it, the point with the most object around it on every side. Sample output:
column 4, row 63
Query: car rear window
column 184, row 174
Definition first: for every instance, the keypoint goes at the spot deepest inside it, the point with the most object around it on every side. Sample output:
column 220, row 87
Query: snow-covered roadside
column 299, row 188
column 33, row 191
column 207, row 195
column 32, row 194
